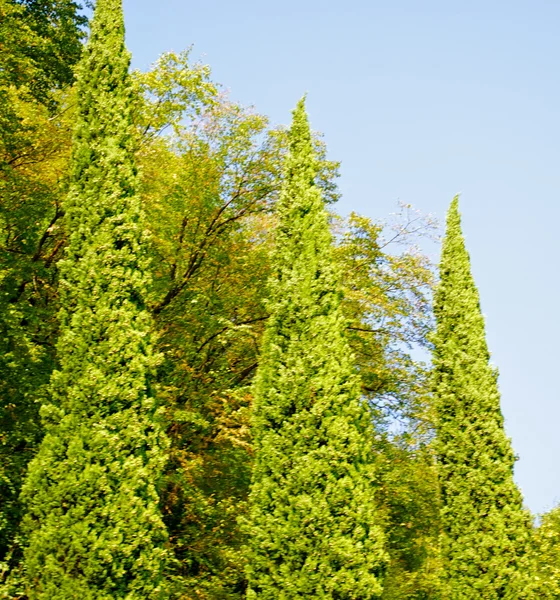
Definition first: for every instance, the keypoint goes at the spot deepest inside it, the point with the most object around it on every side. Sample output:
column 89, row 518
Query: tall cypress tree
column 93, row 523
column 40, row 43
column 314, row 530
column 485, row 528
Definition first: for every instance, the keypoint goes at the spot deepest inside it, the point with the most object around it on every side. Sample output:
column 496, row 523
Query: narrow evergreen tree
column 485, row 528
column 314, row 530
column 93, row 523
column 40, row 43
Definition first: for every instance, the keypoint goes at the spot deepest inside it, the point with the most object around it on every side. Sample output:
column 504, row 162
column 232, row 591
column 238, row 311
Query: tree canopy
column 209, row 380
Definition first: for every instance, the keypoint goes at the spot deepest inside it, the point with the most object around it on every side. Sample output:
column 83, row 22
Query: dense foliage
column 544, row 565
column 313, row 524
column 485, row 529
column 40, row 46
column 92, row 522
column 135, row 288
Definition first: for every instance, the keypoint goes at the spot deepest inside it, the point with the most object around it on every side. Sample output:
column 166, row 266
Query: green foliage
column 212, row 177
column 93, row 523
column 31, row 240
column 210, row 184
column 204, row 212
column 47, row 39
column 485, row 529
column 408, row 494
column 171, row 95
column 211, row 173
column 40, row 43
column 545, row 558
column 313, row 525
column 387, row 303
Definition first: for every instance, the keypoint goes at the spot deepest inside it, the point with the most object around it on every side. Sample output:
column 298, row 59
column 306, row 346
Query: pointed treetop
column 311, row 430
column 298, row 191
column 104, row 132
column 300, row 121
column 303, row 222
column 453, row 215
column 454, row 255
column 484, row 525
column 457, row 301
column 301, row 145
column 454, row 206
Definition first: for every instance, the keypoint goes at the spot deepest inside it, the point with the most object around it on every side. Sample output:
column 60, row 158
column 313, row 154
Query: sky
column 421, row 100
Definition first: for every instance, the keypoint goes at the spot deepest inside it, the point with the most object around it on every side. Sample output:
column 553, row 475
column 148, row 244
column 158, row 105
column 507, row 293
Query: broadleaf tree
column 544, row 563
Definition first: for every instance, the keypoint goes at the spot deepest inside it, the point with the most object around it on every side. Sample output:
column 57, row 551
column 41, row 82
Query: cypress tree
column 40, row 43
column 485, row 528
column 93, row 524
column 314, row 530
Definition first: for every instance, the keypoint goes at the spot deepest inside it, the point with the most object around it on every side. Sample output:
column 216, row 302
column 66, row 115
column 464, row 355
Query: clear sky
column 420, row 100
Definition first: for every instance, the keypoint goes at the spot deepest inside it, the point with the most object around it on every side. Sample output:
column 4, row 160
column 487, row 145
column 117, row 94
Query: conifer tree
column 40, row 43
column 485, row 528
column 93, row 524
column 314, row 530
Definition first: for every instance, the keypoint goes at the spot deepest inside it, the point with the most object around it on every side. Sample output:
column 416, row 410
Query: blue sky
column 420, row 100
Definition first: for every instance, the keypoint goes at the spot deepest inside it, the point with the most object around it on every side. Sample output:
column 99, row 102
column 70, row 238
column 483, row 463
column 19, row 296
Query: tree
column 210, row 189
column 31, row 240
column 545, row 558
column 93, row 522
column 210, row 182
column 387, row 303
column 44, row 42
column 211, row 175
column 41, row 42
column 313, row 526
column 208, row 311
column 485, row 527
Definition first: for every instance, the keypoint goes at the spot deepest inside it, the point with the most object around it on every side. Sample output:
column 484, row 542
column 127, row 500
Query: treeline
column 207, row 379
